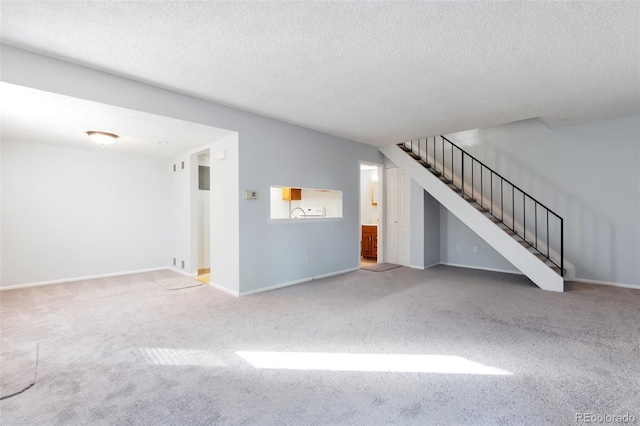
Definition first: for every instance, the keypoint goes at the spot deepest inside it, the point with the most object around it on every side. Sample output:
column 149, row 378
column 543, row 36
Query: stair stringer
column 537, row 271
column 570, row 269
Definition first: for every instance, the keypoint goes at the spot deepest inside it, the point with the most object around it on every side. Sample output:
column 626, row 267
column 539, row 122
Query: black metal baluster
column 491, row 205
column 535, row 215
column 547, row 233
column 473, row 189
column 434, row 153
column 561, row 247
column 501, row 200
column 481, row 185
column 513, row 208
column 524, row 216
column 442, row 139
column 462, row 160
column 452, row 177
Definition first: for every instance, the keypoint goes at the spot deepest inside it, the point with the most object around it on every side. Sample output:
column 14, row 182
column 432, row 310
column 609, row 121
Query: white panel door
column 403, row 216
column 391, row 203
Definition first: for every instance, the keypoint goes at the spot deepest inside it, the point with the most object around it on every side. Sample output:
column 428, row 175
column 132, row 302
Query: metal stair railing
column 434, row 157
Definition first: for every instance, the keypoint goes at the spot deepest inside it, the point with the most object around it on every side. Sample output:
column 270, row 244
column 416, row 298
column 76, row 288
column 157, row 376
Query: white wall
column 204, row 220
column 60, row 203
column 588, row 174
column 1, row 209
column 331, row 201
column 225, row 213
column 368, row 212
column 180, row 228
column 279, row 207
column 223, row 220
column 270, row 153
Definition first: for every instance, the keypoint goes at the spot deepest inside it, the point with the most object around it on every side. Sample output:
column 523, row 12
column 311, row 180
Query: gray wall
column 271, row 153
column 417, row 225
column 454, row 233
column 588, row 174
column 431, row 230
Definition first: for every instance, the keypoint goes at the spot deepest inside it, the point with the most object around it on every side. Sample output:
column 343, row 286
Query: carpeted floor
column 462, row 347
column 381, row 267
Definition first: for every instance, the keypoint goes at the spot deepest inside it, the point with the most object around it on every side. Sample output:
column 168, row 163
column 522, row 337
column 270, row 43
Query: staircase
column 524, row 231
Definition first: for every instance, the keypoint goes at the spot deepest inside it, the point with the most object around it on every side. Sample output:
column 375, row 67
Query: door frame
column 194, row 228
column 381, row 205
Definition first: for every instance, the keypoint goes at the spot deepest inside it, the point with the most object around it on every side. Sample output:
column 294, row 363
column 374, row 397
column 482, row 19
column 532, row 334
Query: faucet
column 298, row 208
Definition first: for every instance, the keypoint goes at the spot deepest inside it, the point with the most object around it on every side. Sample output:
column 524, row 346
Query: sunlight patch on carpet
column 181, row 357
column 397, row 363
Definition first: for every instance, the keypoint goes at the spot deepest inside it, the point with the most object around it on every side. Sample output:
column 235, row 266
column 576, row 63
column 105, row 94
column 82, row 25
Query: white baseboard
column 276, row 286
column 89, row 277
column 331, row 274
column 300, row 281
column 224, row 289
column 424, row 267
column 584, row 280
column 481, row 268
column 181, row 272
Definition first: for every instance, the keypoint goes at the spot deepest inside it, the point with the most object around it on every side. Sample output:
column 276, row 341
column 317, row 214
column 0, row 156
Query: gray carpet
column 17, row 367
column 444, row 346
column 381, row 267
column 178, row 283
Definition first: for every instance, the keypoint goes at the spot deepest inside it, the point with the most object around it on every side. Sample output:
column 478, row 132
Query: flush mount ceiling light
column 102, row 138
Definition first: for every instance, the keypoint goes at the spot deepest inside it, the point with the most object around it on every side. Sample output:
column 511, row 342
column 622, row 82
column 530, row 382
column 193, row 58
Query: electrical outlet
column 308, row 258
column 89, row 256
column 175, row 262
column 458, row 248
column 475, row 249
column 250, row 194
column 182, row 262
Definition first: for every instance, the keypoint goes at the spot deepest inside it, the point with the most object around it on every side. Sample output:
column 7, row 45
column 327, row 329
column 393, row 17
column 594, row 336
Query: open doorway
column 204, row 217
column 370, row 214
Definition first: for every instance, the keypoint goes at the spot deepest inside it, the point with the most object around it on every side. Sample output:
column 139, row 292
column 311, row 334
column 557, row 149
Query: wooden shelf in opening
column 291, row 194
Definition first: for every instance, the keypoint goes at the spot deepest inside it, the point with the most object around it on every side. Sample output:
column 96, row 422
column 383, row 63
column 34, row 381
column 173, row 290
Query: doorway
column 370, row 214
column 204, row 217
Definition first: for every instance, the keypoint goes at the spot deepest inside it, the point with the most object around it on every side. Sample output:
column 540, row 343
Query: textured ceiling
column 34, row 115
column 374, row 72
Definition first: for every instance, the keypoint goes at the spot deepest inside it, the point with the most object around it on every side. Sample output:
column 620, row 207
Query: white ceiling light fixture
column 102, row 138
